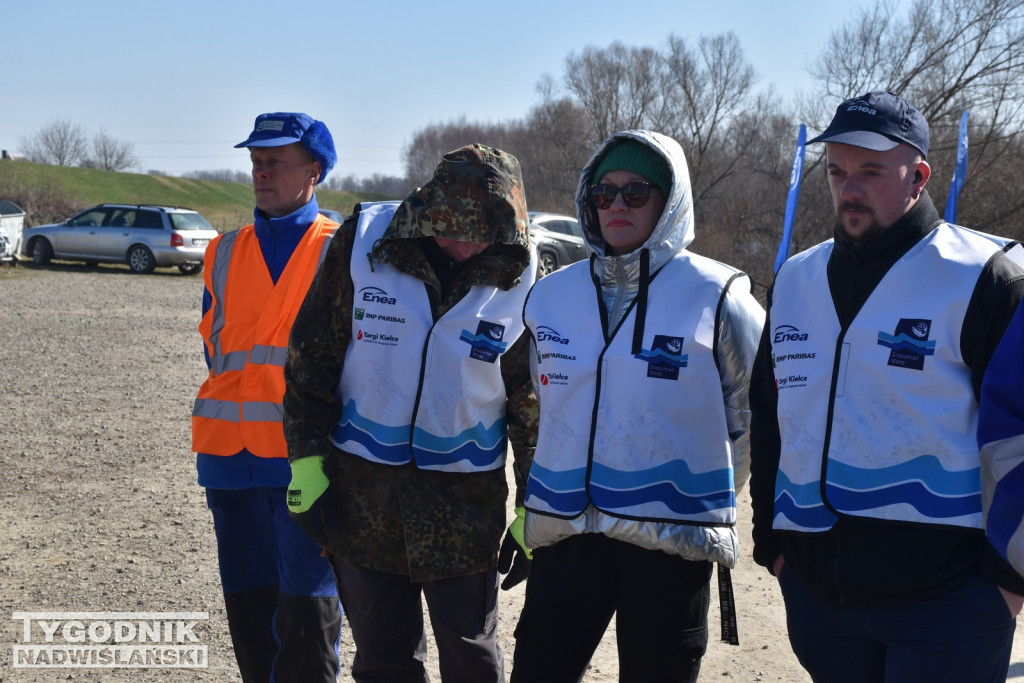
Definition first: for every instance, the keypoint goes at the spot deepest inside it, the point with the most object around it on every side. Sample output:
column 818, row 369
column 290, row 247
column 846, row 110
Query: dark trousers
column 962, row 635
column 385, row 614
column 280, row 594
column 660, row 603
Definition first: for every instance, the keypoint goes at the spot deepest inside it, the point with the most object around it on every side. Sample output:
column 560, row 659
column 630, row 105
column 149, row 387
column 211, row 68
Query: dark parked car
column 142, row 236
column 559, row 240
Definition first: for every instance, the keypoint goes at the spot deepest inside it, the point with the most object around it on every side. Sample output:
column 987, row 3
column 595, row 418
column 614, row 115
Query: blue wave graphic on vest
column 675, row 472
column 562, row 491
column 801, row 503
column 664, row 492
column 663, row 357
column 1007, row 510
column 481, row 446
column 927, row 470
column 482, row 341
column 912, row 493
column 813, row 517
column 904, row 342
column 389, row 444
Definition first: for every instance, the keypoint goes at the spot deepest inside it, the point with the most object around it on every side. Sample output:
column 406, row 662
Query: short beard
column 873, row 229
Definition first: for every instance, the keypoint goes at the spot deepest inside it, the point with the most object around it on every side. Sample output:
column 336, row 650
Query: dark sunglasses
column 635, row 194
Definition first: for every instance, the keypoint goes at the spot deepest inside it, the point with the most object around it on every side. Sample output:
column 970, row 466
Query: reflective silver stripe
column 228, row 361
column 219, row 280
column 262, row 411
column 263, row 354
column 216, row 410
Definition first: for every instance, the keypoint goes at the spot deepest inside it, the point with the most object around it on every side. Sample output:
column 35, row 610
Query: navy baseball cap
column 284, row 128
column 877, row 121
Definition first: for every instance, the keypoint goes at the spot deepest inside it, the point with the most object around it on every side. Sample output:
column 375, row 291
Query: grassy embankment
column 226, row 205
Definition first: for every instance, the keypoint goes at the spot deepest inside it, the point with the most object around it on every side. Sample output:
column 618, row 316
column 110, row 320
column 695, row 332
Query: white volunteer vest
column 415, row 390
column 887, row 403
column 643, row 436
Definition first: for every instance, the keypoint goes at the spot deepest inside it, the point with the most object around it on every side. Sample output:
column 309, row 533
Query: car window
column 93, row 217
column 122, row 218
column 149, row 220
column 189, row 221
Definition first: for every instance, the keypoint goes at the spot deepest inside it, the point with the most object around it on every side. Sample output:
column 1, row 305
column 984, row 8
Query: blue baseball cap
column 877, row 121
column 284, row 128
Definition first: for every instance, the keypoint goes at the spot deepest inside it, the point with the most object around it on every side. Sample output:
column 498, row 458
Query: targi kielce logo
column 110, row 640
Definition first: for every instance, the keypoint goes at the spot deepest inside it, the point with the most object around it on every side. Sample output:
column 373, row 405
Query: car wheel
column 140, row 260
column 548, row 263
column 190, row 268
column 42, row 252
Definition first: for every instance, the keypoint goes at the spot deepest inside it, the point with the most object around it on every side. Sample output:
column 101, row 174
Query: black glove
column 513, row 555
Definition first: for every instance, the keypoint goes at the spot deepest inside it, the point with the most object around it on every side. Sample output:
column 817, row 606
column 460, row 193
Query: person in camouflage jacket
column 396, row 529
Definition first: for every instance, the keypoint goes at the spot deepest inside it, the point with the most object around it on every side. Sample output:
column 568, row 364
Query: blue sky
column 182, row 81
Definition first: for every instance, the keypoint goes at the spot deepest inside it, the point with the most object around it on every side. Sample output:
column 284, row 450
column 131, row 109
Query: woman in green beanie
column 642, row 364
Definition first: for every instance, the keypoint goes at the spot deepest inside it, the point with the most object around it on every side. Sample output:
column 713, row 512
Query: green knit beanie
column 630, row 155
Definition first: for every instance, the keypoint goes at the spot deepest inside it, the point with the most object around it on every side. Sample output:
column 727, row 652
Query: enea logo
column 547, row 334
column 909, row 344
column 788, row 333
column 376, row 295
column 486, row 344
column 862, row 106
column 665, row 357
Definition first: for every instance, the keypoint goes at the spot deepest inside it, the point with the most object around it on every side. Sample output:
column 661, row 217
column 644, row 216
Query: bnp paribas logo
column 110, row 640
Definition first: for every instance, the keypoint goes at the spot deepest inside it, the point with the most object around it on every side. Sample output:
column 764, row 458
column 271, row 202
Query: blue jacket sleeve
column 1001, row 440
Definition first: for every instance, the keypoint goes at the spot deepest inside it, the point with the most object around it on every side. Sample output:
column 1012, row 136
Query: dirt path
column 98, row 501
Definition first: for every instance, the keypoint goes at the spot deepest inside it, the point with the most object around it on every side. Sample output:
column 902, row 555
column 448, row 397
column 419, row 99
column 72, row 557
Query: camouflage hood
column 475, row 195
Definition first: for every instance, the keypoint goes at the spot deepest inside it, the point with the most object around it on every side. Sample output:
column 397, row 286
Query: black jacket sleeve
column 765, row 447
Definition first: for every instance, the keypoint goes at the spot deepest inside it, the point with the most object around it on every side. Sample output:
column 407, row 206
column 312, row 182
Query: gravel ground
column 98, row 501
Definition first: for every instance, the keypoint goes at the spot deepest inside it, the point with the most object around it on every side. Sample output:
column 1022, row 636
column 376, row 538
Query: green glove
column 308, row 483
column 516, row 529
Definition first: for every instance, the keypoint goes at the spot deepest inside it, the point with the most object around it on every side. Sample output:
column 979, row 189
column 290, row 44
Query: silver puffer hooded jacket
column 622, row 280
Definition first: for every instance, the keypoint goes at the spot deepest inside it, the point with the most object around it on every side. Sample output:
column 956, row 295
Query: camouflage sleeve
column 521, row 411
column 316, row 352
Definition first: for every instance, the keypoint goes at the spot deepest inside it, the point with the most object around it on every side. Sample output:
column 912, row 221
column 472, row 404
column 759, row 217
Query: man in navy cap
column 279, row 591
column 864, row 399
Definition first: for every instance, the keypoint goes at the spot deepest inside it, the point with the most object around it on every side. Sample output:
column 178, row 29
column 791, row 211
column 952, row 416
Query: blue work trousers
column 280, row 593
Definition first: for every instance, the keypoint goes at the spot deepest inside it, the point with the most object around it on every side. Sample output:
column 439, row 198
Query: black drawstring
column 641, row 302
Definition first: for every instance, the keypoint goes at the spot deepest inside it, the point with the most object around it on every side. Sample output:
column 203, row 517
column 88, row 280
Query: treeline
column 945, row 56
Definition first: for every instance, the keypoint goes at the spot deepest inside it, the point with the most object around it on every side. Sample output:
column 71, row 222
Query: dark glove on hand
column 310, row 502
column 513, row 555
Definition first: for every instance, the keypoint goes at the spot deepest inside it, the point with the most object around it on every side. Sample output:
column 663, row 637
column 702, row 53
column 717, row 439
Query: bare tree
column 945, row 56
column 429, row 144
column 110, row 154
column 224, row 175
column 704, row 89
column 59, row 142
column 553, row 143
column 616, row 86
column 378, row 183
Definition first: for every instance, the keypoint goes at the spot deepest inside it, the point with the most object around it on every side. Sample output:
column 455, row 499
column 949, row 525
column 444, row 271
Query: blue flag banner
column 795, row 177
column 959, row 174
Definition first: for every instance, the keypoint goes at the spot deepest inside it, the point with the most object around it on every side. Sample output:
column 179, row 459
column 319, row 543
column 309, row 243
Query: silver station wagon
column 142, row 236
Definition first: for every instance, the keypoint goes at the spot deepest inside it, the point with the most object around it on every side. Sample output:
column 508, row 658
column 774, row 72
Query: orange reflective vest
column 246, row 333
